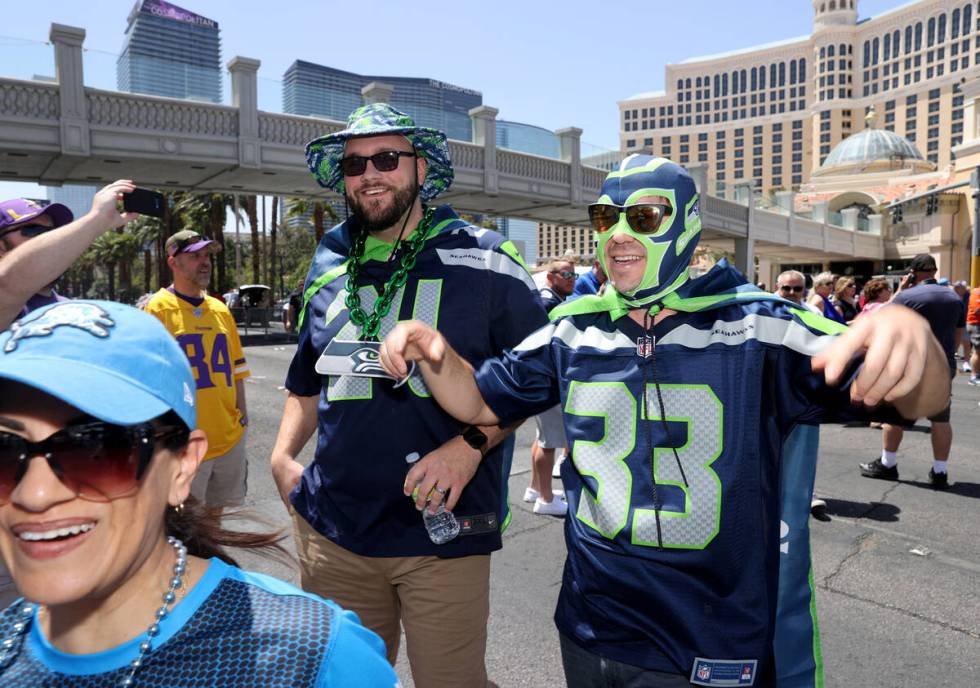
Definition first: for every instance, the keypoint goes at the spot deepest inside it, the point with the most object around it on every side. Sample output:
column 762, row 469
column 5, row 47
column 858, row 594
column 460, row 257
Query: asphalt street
column 897, row 564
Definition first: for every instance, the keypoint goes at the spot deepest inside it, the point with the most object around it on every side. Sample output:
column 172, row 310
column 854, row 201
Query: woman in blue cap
column 125, row 578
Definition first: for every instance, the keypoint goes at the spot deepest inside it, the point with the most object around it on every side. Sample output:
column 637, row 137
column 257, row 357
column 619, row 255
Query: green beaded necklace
column 371, row 323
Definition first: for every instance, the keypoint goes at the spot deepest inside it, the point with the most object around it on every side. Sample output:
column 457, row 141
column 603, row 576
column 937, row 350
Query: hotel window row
column 921, row 51
column 706, row 100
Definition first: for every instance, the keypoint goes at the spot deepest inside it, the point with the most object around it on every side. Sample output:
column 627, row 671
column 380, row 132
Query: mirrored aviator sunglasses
column 385, row 161
column 98, row 461
column 643, row 218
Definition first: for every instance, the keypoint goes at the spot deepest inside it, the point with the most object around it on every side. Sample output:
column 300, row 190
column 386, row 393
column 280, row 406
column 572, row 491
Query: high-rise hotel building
column 171, row 52
column 312, row 89
column 770, row 115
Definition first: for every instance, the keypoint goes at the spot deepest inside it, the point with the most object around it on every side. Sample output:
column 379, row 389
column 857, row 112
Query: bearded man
column 360, row 537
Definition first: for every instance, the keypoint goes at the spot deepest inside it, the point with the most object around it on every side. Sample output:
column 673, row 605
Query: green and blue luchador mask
column 669, row 239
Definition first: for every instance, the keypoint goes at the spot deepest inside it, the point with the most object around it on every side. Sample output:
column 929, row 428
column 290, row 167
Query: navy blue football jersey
column 471, row 285
column 674, row 530
column 233, row 629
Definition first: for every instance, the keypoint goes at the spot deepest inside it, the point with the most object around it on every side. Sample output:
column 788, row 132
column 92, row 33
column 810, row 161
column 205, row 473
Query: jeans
column 586, row 670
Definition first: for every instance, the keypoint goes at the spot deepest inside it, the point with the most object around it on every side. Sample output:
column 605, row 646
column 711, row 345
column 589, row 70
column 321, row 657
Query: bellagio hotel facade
column 771, row 114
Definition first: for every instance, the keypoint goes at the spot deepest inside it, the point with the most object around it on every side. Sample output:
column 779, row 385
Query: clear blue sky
column 545, row 63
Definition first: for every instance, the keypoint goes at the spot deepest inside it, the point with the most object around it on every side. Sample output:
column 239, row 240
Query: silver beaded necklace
column 10, row 646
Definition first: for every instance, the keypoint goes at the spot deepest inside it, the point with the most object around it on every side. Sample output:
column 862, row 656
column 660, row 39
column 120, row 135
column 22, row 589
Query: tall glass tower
column 312, row 89
column 170, row 52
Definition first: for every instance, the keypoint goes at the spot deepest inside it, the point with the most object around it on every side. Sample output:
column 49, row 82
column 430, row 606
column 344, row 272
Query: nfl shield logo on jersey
column 644, row 346
column 704, row 672
column 746, row 678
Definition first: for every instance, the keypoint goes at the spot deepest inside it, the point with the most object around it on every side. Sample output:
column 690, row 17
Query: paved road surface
column 897, row 565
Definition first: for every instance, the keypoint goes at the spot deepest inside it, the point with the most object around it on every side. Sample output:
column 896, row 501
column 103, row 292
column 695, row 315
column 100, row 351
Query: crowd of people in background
column 845, row 298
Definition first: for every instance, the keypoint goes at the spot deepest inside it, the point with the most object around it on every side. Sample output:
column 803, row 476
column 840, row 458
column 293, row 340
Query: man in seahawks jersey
column 686, row 403
column 360, row 535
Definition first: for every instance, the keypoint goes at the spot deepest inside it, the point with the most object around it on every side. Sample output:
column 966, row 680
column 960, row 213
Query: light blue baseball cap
column 108, row 360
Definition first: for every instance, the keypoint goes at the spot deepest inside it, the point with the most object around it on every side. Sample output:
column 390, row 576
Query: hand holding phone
column 144, row 202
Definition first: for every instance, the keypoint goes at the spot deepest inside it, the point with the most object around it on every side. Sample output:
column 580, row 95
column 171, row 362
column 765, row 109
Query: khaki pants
column 442, row 603
column 222, row 481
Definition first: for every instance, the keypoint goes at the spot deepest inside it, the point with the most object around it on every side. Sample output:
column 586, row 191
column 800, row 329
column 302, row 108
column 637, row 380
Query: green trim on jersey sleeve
column 819, row 322
column 317, row 285
column 511, row 250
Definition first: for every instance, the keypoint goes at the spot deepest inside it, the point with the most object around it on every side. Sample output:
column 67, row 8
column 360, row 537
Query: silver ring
column 440, row 490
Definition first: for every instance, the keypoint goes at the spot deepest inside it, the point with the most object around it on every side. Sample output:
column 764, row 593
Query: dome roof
column 868, row 146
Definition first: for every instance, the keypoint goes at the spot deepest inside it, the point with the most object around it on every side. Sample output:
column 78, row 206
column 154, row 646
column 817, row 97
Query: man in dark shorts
column 942, row 308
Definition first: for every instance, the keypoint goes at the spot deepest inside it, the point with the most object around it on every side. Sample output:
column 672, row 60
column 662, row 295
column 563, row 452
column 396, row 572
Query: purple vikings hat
column 108, row 360
column 18, row 211
column 187, row 241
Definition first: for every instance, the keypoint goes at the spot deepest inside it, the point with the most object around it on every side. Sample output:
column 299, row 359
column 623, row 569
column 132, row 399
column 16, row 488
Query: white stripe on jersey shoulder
column 762, row 328
column 475, row 232
column 486, row 259
column 591, row 337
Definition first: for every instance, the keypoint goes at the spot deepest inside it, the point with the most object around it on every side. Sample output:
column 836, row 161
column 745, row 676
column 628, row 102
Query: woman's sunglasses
column 385, row 161
column 643, row 218
column 98, row 461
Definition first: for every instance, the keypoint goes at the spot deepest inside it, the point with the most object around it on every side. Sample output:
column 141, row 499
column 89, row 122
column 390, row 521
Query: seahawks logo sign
column 360, row 359
column 365, row 361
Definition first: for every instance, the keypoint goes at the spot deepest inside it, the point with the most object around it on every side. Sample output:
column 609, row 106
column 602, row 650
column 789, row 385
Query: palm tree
column 317, row 210
column 253, row 224
column 117, row 248
column 147, row 231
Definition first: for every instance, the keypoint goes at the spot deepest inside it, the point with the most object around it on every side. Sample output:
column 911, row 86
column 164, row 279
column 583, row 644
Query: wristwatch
column 477, row 439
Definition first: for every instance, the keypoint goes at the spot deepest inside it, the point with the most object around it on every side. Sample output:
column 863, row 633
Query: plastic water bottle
column 442, row 526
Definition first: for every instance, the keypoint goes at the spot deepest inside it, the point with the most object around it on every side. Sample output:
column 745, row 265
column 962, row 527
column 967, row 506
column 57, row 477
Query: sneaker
column 965, row 367
column 531, row 495
column 876, row 469
column 556, row 507
column 817, row 504
column 974, row 380
column 940, row 481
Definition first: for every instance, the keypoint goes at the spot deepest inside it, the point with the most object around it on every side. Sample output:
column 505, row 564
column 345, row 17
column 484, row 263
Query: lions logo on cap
column 84, row 316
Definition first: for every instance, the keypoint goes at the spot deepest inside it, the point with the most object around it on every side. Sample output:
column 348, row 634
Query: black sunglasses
column 385, row 161
column 643, row 218
column 98, row 461
column 567, row 274
column 789, row 288
column 29, row 231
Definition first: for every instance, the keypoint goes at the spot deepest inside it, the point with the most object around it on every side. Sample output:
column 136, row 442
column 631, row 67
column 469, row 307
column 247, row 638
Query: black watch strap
column 477, row 439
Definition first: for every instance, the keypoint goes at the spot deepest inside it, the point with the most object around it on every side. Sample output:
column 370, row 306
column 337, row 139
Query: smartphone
column 144, row 202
